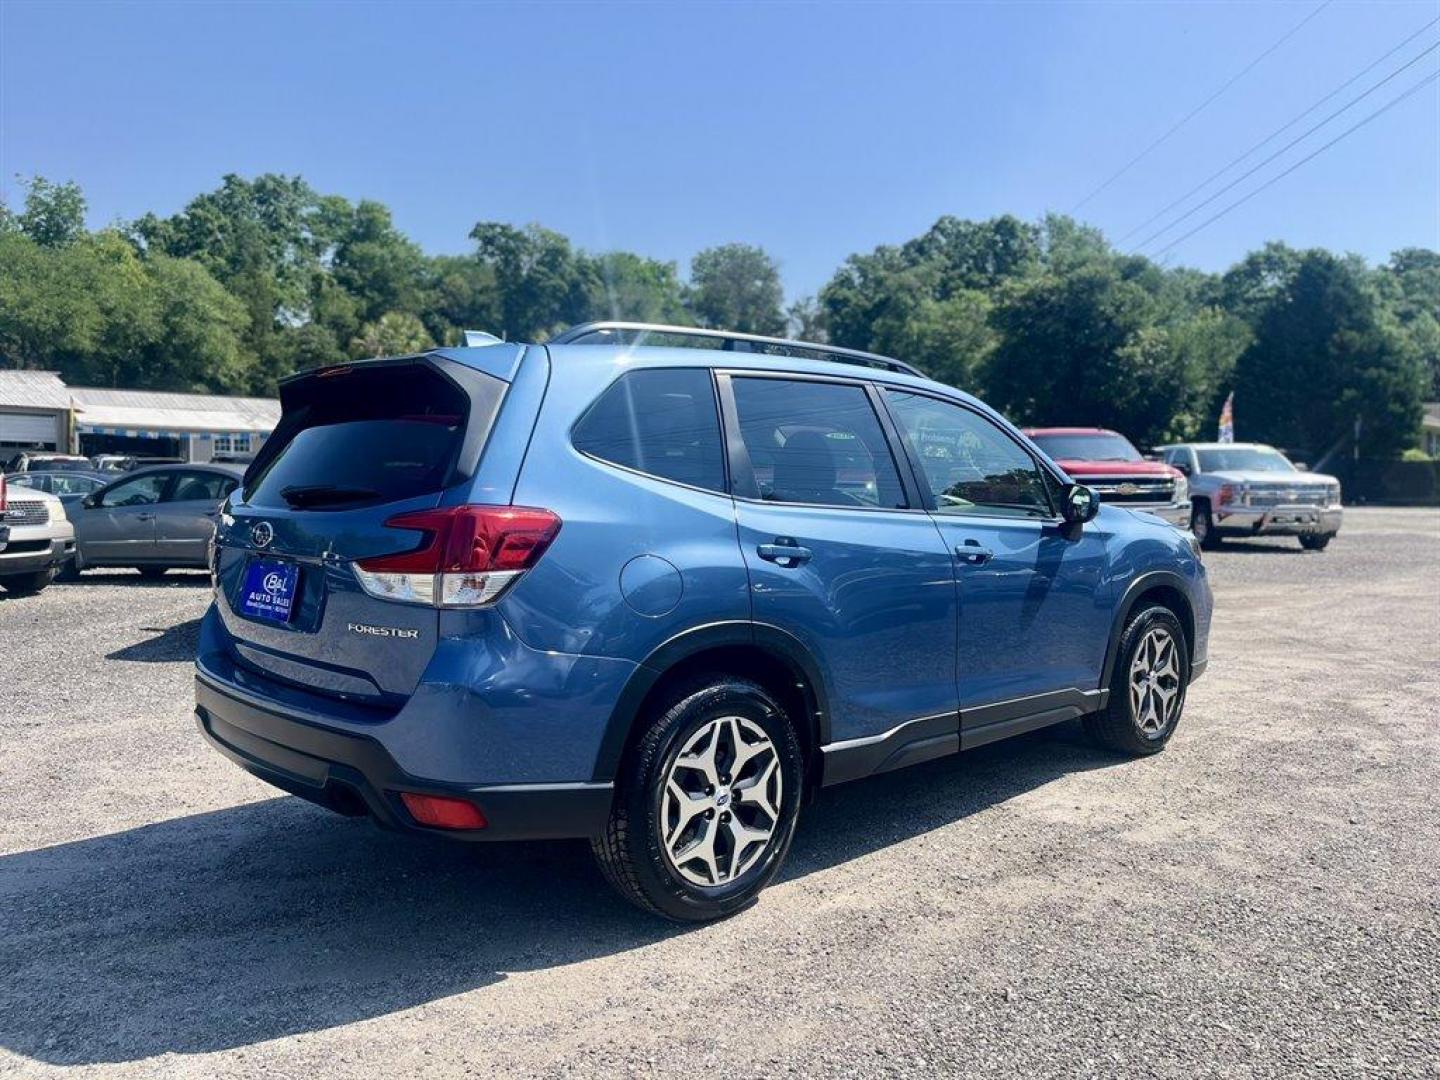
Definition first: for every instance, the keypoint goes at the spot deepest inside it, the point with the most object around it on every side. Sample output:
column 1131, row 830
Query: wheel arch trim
column 779, row 644
column 1142, row 584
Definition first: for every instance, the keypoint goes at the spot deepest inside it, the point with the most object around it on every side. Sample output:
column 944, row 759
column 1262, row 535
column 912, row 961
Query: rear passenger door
column 185, row 519
column 839, row 553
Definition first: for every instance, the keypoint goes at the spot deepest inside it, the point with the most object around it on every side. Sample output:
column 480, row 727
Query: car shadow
column 230, row 928
column 170, row 644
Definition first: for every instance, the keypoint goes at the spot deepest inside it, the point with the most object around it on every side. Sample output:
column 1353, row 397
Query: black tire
column 152, row 573
column 1117, row 726
column 631, row 850
column 1316, row 541
column 1203, row 525
column 27, row 584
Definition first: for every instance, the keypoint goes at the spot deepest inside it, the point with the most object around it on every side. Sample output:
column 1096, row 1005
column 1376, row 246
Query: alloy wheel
column 1155, row 682
column 721, row 804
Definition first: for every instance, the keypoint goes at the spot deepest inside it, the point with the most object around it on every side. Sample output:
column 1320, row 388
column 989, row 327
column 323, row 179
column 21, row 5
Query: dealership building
column 38, row 411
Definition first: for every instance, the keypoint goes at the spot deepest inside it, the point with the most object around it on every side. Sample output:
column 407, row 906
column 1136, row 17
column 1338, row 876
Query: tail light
column 2, row 495
column 468, row 557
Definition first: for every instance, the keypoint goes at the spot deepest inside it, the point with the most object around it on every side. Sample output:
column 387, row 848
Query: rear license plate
column 270, row 588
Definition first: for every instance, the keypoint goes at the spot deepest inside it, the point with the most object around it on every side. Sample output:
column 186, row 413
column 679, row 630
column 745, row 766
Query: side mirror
column 1079, row 504
column 1301, row 466
column 91, row 501
column 1184, row 468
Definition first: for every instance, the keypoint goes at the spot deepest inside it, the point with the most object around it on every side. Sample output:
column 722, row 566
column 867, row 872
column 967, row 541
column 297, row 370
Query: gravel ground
column 1260, row 900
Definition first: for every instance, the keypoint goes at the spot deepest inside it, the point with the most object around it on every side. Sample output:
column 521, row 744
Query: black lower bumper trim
column 354, row 775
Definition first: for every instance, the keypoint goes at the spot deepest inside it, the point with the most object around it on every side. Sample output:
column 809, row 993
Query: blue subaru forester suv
column 625, row 588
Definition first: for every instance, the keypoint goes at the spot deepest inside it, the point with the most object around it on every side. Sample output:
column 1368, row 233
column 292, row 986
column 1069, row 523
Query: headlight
column 1182, row 489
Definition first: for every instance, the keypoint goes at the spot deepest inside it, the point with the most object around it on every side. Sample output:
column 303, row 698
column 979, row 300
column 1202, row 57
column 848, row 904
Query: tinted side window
column 815, row 442
column 200, row 487
column 141, row 491
column 970, row 465
column 661, row 422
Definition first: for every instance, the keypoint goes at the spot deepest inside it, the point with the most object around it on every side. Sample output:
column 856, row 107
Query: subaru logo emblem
column 261, row 533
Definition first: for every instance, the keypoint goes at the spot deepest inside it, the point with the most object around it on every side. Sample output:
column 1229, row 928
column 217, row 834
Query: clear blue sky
column 812, row 130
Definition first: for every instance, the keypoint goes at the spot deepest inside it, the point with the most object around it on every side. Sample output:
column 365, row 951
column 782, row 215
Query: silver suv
column 1250, row 489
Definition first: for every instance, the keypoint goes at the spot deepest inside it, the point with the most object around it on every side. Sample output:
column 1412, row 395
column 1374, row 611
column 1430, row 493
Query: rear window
column 364, row 437
column 662, row 422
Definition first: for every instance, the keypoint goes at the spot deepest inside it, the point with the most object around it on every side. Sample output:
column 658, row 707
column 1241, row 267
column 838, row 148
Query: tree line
column 1046, row 320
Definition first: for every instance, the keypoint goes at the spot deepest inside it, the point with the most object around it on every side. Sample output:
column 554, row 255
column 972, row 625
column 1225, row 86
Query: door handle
column 144, row 517
column 784, row 553
column 972, row 553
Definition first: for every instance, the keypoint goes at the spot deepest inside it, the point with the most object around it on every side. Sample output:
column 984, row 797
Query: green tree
column 1085, row 348
column 1411, row 284
column 47, row 310
column 737, row 287
column 379, row 268
column 1326, row 352
column 54, row 214
column 542, row 284
column 632, row 287
column 805, row 320
column 396, row 333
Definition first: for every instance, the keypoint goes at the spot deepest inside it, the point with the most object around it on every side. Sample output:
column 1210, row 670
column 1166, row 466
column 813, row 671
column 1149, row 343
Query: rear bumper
column 354, row 775
column 1278, row 520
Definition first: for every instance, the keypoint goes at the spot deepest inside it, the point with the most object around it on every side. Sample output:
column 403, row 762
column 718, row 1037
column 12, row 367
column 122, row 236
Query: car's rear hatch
column 356, row 445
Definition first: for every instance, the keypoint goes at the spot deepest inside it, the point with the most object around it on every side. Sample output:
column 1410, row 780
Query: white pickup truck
column 36, row 539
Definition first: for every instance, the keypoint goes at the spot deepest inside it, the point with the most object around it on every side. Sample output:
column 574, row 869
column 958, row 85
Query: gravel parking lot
column 1262, row 899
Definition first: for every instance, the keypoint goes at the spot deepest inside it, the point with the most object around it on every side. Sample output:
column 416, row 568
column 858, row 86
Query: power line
column 1198, row 108
column 1308, row 157
column 1278, row 131
column 1288, row 146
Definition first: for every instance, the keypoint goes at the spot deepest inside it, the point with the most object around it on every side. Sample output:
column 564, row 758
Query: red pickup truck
column 1109, row 463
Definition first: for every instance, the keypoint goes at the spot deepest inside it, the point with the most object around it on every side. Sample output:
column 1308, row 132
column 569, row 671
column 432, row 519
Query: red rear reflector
column 442, row 812
column 470, row 539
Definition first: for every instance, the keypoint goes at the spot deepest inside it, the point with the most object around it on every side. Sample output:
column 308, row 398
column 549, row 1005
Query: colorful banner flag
column 1227, row 419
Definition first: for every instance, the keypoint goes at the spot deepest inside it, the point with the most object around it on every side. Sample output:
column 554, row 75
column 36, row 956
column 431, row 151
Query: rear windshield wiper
column 302, row 496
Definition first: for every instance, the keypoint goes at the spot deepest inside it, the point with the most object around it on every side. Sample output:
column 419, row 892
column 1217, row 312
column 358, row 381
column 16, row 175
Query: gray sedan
column 152, row 519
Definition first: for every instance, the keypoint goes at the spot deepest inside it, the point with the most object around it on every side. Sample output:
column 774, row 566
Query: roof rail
column 607, row 332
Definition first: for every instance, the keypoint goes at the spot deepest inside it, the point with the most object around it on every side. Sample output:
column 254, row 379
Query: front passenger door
column 1027, row 583
column 120, row 527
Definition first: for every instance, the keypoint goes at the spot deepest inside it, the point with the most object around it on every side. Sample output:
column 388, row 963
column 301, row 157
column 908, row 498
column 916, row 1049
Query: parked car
column 1249, row 489
column 40, row 460
column 113, row 463
column 656, row 597
column 68, row 487
column 1108, row 463
column 152, row 519
column 35, row 538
